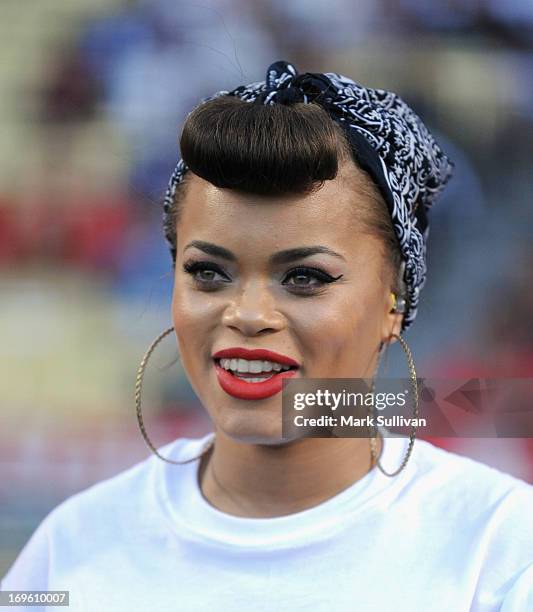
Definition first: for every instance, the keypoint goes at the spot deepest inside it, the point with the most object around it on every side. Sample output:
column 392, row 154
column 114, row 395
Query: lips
column 250, row 354
column 238, row 387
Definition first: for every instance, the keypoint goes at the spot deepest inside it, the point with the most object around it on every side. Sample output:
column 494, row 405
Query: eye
column 303, row 279
column 205, row 273
column 306, row 280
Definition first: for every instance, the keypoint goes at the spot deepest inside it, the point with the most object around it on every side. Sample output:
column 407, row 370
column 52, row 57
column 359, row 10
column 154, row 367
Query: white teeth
column 253, row 380
column 242, row 365
column 254, row 366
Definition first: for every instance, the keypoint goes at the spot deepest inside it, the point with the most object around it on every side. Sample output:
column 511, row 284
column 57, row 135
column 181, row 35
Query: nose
column 253, row 311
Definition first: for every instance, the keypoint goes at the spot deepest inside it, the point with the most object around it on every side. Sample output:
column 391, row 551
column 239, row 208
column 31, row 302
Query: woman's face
column 253, row 300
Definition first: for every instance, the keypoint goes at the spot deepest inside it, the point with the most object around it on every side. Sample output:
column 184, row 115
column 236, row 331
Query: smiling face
column 328, row 311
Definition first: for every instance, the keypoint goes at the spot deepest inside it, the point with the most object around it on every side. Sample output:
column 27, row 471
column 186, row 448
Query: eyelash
column 324, row 278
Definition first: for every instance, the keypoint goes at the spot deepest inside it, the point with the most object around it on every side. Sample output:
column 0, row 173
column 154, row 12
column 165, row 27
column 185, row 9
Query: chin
column 251, row 427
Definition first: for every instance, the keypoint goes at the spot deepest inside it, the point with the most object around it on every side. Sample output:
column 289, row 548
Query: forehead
column 331, row 216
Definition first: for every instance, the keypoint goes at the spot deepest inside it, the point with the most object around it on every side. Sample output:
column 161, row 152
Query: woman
column 297, row 222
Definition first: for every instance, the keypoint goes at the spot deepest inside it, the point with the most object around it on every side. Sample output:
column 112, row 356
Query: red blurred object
column 504, row 361
column 89, row 233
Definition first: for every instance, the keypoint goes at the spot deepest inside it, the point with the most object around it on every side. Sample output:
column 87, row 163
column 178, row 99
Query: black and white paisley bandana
column 388, row 140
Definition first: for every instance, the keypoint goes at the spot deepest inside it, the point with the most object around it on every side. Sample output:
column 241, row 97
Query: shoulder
column 127, row 498
column 128, row 491
column 454, row 472
column 471, row 487
column 484, row 512
column 117, row 511
column 480, row 502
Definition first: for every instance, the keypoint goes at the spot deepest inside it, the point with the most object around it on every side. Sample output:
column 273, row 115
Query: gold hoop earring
column 412, row 435
column 138, row 391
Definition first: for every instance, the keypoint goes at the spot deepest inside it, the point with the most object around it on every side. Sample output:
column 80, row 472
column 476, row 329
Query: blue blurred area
column 94, row 94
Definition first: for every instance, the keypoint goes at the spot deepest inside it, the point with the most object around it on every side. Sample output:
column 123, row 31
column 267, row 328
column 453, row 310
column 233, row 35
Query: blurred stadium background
column 93, row 93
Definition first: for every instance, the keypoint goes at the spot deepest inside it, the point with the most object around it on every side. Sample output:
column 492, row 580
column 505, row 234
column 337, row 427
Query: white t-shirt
column 447, row 533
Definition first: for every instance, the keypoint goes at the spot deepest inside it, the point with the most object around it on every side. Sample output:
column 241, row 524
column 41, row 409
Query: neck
column 263, row 481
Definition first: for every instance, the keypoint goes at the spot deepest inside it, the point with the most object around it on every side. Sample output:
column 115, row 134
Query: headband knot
column 279, row 75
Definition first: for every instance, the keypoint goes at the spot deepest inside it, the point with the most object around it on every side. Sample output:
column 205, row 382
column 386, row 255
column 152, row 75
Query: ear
column 392, row 321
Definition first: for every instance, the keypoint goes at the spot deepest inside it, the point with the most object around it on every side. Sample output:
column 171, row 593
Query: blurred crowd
column 94, row 93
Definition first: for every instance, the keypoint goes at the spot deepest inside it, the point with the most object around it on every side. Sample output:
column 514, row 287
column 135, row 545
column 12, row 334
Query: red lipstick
column 238, row 387
column 237, row 352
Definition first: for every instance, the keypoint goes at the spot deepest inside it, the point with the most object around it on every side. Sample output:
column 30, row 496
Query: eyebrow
column 281, row 257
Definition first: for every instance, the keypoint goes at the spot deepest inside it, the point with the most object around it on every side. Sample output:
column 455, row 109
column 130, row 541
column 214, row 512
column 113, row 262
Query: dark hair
column 276, row 150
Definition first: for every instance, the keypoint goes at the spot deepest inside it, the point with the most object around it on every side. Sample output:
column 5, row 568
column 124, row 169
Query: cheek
column 193, row 315
column 337, row 336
